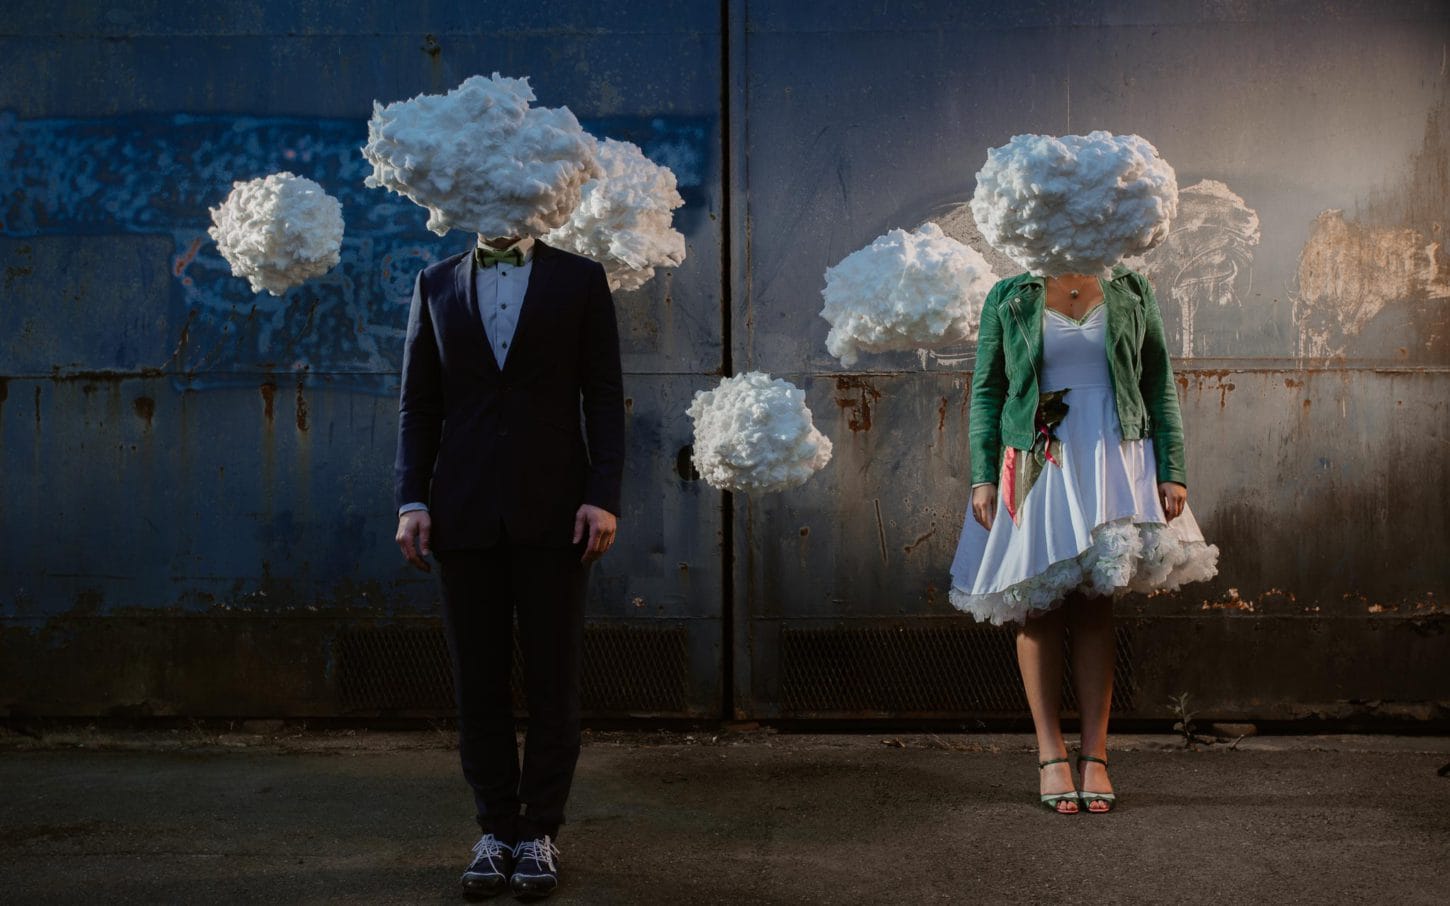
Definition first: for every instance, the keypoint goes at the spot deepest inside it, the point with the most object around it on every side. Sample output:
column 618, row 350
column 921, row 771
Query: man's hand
column 601, row 525
column 984, row 504
column 413, row 530
column 1174, row 497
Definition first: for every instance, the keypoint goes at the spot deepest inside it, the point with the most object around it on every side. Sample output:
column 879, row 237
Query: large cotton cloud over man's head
column 755, row 434
column 905, row 291
column 278, row 231
column 481, row 159
column 1075, row 203
column 623, row 219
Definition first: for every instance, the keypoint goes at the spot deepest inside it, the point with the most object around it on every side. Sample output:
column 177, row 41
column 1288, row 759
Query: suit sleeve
column 420, row 405
column 1160, row 395
column 602, row 389
column 989, row 389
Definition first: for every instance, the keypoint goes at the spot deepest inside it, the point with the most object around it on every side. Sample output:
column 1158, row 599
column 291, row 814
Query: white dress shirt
column 500, row 290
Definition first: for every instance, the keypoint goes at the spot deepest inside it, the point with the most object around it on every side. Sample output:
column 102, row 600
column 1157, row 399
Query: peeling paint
column 1350, row 272
column 1207, row 258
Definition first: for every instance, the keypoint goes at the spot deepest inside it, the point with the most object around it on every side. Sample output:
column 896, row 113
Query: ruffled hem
column 1123, row 556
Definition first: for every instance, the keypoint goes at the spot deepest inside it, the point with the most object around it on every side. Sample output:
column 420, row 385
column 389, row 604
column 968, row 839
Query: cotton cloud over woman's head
column 1074, row 203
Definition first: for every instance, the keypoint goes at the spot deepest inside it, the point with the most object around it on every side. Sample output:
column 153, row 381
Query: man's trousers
column 482, row 589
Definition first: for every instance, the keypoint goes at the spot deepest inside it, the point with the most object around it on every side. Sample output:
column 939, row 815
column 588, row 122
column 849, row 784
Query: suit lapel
column 467, row 289
column 541, row 274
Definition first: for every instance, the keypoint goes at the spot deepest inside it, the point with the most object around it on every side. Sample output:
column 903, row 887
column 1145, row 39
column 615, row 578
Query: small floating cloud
column 278, row 231
column 755, row 434
column 905, row 291
column 623, row 219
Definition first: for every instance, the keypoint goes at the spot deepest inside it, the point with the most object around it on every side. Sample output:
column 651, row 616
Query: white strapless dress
column 1094, row 524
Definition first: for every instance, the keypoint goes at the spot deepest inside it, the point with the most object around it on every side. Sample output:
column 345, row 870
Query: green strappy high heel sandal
column 1051, row 800
column 1088, row 797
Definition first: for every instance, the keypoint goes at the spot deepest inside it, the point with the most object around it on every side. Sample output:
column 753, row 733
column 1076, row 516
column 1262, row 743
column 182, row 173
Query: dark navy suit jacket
column 486, row 447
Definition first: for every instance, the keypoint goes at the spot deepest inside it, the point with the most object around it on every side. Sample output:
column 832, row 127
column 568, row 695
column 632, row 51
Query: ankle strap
column 1043, row 764
column 1092, row 758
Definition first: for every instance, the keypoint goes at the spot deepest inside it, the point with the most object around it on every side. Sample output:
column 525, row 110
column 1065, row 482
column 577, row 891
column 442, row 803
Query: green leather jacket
column 1009, row 358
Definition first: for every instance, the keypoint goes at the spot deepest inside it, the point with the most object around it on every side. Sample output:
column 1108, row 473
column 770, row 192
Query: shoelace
column 541, row 850
column 490, row 846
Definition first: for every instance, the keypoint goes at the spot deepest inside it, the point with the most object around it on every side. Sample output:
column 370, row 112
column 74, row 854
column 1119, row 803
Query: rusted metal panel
column 1305, row 292
column 198, row 477
column 203, row 551
column 195, row 480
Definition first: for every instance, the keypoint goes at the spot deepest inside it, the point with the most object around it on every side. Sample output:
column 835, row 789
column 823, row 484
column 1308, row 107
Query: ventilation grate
column 626, row 669
column 918, row 671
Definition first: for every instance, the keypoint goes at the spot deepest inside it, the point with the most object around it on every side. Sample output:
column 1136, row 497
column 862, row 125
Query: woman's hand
column 984, row 504
column 1174, row 497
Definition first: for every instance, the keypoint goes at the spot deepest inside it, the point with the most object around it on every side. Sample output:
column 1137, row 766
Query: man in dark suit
column 494, row 479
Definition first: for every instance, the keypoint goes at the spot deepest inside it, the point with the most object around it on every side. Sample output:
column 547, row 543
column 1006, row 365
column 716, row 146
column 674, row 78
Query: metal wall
column 194, row 481
column 1305, row 287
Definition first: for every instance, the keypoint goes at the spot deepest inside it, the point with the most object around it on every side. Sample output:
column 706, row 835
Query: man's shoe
column 488, row 875
column 536, row 868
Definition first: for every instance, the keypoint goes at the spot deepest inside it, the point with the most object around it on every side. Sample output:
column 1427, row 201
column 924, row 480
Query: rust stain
column 37, row 410
column 805, row 531
column 941, row 415
column 629, row 405
column 301, row 406
column 1292, row 384
column 1202, row 377
column 859, row 417
column 1231, row 601
column 269, row 396
column 145, row 408
column 186, row 257
column 919, row 538
column 1305, row 406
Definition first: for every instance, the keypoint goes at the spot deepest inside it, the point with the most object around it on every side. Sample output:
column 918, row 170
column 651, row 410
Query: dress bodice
column 1074, row 353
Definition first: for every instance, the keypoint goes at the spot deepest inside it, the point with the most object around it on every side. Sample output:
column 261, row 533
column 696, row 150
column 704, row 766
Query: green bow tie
column 488, row 257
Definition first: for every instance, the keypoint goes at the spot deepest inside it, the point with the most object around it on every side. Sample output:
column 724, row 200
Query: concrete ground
column 280, row 815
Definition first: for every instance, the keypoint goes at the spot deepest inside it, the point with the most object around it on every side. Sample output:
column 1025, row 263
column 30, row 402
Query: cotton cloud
column 623, row 219
column 278, row 231
column 1075, row 203
column 755, row 434
column 481, row 159
column 904, row 291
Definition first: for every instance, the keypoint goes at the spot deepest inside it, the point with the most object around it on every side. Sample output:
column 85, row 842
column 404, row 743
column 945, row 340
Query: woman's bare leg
column 1091, row 621
column 1039, row 657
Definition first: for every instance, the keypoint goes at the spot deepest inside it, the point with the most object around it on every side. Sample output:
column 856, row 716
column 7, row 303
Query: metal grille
column 626, row 669
column 394, row 668
column 918, row 671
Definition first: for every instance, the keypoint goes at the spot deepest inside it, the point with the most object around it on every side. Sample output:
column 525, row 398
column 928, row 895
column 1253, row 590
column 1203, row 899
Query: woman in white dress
column 1079, row 493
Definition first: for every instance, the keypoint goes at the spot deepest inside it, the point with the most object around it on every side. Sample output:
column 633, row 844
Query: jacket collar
column 1025, row 302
